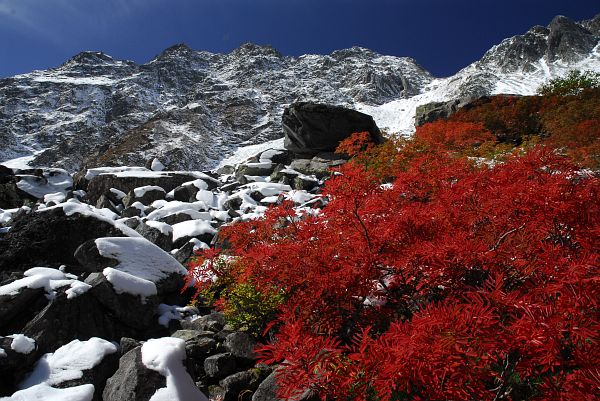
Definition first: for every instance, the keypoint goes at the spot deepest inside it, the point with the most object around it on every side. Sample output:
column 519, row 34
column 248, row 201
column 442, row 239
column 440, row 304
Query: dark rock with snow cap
column 212, row 322
column 144, row 195
column 49, row 237
column 156, row 236
column 126, row 308
column 90, row 259
column 133, row 381
column 97, row 375
column 14, row 365
column 311, row 128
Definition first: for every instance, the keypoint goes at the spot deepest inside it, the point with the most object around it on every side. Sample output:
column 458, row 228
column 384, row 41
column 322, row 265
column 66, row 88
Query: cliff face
column 191, row 108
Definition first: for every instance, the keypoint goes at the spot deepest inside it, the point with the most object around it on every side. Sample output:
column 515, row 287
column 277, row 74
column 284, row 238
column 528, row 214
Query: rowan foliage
column 453, row 281
column 567, row 122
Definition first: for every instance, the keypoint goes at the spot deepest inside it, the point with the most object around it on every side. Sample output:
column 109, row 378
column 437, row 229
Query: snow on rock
column 118, row 193
column 157, row 165
column 268, row 155
column 127, row 283
column 43, row 392
column 73, row 206
column 141, row 191
column 200, row 184
column 300, row 197
column 166, row 313
column 166, row 208
column 56, row 197
column 206, row 196
column 165, row 356
column 48, row 279
column 141, row 265
column 268, row 188
column 192, row 228
column 22, row 344
column 93, row 172
column 6, row 215
column 68, row 362
column 2, row 355
column 245, row 152
column 164, row 228
column 53, row 180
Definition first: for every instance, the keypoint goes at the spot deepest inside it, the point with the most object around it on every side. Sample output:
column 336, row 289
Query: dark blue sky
column 442, row 35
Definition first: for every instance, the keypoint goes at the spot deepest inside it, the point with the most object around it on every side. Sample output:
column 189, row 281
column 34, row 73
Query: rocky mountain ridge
column 191, row 108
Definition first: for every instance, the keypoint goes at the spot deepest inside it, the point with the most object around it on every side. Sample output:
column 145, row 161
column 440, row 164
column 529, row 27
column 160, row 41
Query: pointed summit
column 255, row 50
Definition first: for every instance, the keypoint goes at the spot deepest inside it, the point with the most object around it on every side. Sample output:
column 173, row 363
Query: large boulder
column 64, row 320
column 311, row 128
column 49, row 238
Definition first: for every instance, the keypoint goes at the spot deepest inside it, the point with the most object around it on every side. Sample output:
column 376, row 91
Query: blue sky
column 442, row 35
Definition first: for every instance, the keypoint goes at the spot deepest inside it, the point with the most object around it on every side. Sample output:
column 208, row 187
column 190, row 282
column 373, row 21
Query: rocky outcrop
column 312, row 128
column 48, row 237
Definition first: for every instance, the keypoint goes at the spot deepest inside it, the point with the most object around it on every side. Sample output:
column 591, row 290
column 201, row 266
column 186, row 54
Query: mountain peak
column 354, row 51
column 90, row 58
column 255, row 49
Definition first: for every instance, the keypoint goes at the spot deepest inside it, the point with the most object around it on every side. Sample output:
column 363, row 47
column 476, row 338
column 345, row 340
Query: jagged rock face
column 563, row 40
column 191, row 108
column 187, row 107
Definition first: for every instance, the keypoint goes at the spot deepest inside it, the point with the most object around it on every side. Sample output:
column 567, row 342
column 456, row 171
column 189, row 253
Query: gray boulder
column 320, row 166
column 220, row 365
column 240, row 345
column 311, row 128
column 133, row 381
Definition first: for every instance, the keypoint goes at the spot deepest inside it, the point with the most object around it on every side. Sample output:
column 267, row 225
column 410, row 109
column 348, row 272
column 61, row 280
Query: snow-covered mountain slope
column 193, row 108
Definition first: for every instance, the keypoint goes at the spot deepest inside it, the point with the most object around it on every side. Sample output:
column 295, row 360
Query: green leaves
column 572, row 84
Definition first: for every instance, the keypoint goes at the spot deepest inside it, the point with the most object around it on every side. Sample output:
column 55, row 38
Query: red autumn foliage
column 451, row 282
column 475, row 283
column 454, row 136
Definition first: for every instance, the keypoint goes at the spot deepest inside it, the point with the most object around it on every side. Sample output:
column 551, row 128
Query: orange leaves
column 461, row 137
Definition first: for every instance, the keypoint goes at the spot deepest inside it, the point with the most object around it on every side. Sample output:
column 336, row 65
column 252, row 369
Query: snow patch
column 48, row 279
column 43, row 392
column 165, row 356
column 192, row 228
column 68, row 362
column 141, row 265
column 245, row 152
column 22, row 344
column 141, row 191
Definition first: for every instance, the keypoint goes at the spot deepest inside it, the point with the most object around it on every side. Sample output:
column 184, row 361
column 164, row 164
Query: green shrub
column 247, row 308
column 575, row 82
